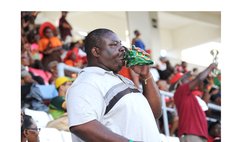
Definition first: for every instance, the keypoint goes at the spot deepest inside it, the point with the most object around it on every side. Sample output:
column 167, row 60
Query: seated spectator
column 181, row 67
column 45, row 75
column 30, row 93
column 215, row 95
column 57, row 106
column 217, row 80
column 215, row 98
column 75, row 56
column 155, row 73
column 195, row 71
column 36, row 55
column 50, row 46
column 29, row 130
column 172, row 116
column 214, row 132
column 126, row 72
column 164, row 68
column 52, row 68
column 26, row 58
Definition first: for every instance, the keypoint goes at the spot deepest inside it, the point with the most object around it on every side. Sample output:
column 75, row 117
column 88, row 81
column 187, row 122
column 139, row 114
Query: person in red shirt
column 214, row 131
column 192, row 119
column 75, row 56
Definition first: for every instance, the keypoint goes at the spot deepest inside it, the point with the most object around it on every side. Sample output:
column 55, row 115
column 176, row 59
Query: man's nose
column 122, row 48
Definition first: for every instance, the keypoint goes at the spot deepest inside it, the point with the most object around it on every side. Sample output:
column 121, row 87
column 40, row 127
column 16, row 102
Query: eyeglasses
column 34, row 129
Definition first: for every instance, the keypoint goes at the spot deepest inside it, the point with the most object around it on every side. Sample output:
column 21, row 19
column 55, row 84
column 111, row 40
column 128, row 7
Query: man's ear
column 25, row 132
column 61, row 87
column 95, row 51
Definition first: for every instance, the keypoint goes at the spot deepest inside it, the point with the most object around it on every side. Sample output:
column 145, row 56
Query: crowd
column 44, row 46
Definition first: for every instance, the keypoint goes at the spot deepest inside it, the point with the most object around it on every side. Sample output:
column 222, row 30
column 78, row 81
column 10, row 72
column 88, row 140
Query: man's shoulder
column 182, row 88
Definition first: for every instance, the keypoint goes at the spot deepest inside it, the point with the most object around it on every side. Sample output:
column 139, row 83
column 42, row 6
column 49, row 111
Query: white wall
column 200, row 28
column 193, row 35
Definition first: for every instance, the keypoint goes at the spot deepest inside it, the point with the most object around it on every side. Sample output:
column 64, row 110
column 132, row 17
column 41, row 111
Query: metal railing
column 61, row 67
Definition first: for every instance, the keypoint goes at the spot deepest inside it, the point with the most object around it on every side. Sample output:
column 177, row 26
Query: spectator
column 52, row 68
column 172, row 116
column 192, row 118
column 64, row 26
column 75, row 56
column 126, row 72
column 215, row 98
column 182, row 67
column 215, row 95
column 101, row 99
column 29, row 130
column 27, row 21
column 195, row 71
column 50, row 46
column 26, row 56
column 164, row 68
column 137, row 40
column 34, row 38
column 57, row 106
column 214, row 132
column 30, row 93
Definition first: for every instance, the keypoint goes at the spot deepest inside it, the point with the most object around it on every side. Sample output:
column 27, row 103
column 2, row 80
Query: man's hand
column 143, row 71
column 213, row 65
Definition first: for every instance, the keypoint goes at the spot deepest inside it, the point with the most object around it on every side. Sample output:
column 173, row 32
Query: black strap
column 117, row 97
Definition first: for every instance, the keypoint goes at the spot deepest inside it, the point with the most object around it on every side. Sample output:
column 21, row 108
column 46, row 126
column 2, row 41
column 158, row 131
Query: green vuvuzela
column 136, row 56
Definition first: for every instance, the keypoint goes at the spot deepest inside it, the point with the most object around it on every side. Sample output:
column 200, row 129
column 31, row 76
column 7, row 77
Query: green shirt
column 55, row 107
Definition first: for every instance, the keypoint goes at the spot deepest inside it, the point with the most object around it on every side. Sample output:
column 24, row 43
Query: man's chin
column 118, row 68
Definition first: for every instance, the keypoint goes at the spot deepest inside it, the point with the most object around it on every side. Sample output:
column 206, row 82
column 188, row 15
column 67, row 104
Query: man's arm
column 201, row 76
column 94, row 131
column 150, row 89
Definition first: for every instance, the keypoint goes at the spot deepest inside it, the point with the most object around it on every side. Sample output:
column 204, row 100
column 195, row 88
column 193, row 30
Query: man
column 64, row 26
column 30, row 93
column 103, row 106
column 192, row 118
column 137, row 40
column 57, row 104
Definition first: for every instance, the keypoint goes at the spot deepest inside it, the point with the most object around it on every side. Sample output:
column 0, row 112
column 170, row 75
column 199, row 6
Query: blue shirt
column 139, row 43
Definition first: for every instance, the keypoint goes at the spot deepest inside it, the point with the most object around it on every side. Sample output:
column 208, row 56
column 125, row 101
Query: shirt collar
column 97, row 70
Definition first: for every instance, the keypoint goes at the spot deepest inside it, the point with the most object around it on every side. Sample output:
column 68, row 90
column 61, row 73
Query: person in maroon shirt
column 192, row 119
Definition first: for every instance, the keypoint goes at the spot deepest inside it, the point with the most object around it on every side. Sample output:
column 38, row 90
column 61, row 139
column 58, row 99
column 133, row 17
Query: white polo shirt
column 112, row 100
